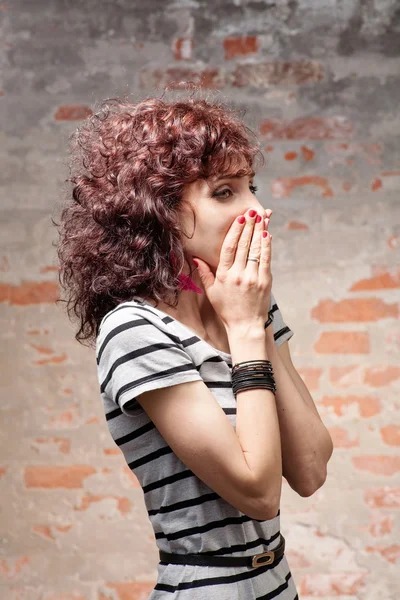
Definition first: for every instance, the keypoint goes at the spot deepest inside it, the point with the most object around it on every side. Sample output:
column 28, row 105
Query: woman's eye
column 253, row 189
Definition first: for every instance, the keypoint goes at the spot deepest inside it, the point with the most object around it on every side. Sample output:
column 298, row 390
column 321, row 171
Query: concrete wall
column 320, row 81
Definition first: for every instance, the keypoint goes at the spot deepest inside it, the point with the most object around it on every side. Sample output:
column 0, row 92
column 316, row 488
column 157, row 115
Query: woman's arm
column 305, row 441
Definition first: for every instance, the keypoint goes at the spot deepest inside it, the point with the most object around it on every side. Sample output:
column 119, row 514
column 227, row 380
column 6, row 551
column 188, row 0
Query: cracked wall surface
column 320, row 82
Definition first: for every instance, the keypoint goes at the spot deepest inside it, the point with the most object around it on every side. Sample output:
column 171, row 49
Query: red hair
column 120, row 227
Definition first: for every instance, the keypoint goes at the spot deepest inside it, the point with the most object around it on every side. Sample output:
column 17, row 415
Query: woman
column 198, row 387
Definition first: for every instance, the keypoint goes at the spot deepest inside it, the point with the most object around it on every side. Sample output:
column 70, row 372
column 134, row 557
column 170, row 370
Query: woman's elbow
column 310, row 485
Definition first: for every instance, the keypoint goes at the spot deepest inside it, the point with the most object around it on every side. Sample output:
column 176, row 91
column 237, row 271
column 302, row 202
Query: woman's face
column 216, row 204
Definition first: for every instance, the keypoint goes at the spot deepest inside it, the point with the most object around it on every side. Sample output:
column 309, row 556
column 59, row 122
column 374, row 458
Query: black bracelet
column 253, row 374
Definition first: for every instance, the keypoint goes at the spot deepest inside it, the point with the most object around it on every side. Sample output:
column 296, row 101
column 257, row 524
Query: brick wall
column 320, row 82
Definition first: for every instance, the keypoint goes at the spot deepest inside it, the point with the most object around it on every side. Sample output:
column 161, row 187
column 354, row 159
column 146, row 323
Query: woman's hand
column 240, row 291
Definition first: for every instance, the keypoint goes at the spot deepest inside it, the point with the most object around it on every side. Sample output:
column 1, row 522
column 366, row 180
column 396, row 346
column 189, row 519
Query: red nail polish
column 241, row 219
column 252, row 213
column 258, row 218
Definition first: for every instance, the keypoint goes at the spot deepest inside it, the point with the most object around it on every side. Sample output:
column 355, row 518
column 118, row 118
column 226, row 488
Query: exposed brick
column 72, row 112
column 63, row 444
column 393, row 241
column 209, row 78
column 284, row 186
column 55, row 360
column 380, row 525
column 262, row 75
column 381, row 376
column 112, row 451
column 183, row 49
column 124, row 505
column 307, row 153
column 29, row 292
column 240, row 46
column 12, row 568
column 380, row 281
column 390, row 553
column 384, row 497
column 354, row 310
column 297, row 225
column 291, row 155
column 341, row 438
column 376, row 184
column 130, row 590
column 307, row 128
column 368, row 406
column 343, row 342
column 320, row 585
column 391, row 435
column 345, row 376
column 310, row 376
column 378, row 465
column 50, row 476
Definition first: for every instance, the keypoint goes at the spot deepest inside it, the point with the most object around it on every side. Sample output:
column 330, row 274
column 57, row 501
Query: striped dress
column 141, row 348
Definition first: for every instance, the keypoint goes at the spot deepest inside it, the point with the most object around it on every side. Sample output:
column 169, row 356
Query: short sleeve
column 282, row 332
column 134, row 355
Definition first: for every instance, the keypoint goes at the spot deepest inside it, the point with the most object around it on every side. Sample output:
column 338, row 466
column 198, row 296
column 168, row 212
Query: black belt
column 257, row 560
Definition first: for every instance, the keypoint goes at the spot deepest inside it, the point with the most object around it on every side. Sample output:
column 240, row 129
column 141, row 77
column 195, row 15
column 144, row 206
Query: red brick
column 12, row 568
column 297, row 225
column 341, row 439
column 291, row 155
column 29, row 292
column 368, row 406
column 72, row 112
column 345, row 376
column 310, row 376
column 354, row 310
column 343, row 342
column 124, row 505
column 129, row 590
column 376, row 184
column 390, row 553
column 380, row 281
column 381, row 376
column 209, row 78
column 321, row 585
column 183, row 49
column 391, row 435
column 307, row 153
column 63, row 444
column 307, row 128
column 240, row 46
column 262, row 75
column 380, row 525
column 378, row 465
column 384, row 497
column 49, row 476
column 284, row 186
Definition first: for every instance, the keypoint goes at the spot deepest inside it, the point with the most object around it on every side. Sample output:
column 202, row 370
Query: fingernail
column 252, row 213
column 258, row 218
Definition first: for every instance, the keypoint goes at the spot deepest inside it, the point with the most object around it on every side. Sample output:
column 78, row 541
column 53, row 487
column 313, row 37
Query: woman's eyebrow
column 251, row 175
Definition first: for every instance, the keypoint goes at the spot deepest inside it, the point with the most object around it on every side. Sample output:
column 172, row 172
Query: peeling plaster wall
column 320, row 81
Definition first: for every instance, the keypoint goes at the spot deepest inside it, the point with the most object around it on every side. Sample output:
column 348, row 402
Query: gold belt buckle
column 270, row 554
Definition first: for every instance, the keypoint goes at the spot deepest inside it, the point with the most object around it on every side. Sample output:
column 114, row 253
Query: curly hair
column 120, row 232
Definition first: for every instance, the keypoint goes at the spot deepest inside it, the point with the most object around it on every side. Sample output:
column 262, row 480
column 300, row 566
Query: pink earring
column 186, row 282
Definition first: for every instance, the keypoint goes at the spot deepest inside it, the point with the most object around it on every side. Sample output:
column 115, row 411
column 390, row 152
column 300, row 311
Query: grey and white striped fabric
column 140, row 348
